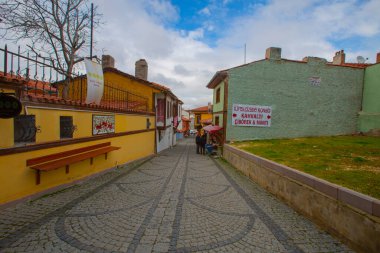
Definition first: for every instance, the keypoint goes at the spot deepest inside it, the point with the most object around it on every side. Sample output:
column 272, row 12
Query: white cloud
column 161, row 9
column 349, row 18
column 205, row 11
column 181, row 60
column 303, row 28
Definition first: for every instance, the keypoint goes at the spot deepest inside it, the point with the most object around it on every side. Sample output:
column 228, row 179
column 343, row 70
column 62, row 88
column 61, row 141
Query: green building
column 369, row 117
column 280, row 98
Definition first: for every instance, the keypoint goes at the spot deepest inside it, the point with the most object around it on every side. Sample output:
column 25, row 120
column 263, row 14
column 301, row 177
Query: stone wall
column 353, row 217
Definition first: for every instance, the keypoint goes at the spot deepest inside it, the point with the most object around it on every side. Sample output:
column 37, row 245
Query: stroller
column 210, row 149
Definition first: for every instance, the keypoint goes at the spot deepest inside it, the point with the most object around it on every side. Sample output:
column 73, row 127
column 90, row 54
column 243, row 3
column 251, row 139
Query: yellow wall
column 123, row 82
column 6, row 133
column 48, row 122
column 117, row 81
column 6, row 127
column 206, row 116
column 17, row 180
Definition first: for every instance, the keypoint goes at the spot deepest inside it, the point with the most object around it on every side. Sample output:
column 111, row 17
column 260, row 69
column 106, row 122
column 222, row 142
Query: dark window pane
column 217, row 121
column 25, row 128
column 66, row 126
column 217, row 95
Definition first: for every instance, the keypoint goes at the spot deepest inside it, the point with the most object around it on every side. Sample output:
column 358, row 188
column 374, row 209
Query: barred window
column 25, row 129
column 66, row 126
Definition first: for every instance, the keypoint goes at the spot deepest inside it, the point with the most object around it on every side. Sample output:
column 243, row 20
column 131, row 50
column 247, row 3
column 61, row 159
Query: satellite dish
column 360, row 59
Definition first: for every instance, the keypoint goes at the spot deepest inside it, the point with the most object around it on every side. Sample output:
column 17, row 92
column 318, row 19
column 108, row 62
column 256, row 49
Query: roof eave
column 217, row 79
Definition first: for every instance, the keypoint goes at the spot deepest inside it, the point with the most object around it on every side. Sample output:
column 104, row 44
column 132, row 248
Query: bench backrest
column 47, row 158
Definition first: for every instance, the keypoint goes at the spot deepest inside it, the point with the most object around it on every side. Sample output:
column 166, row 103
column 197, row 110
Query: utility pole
column 245, row 53
column 92, row 28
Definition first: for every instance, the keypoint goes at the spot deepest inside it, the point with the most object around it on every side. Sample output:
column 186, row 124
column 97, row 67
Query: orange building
column 202, row 116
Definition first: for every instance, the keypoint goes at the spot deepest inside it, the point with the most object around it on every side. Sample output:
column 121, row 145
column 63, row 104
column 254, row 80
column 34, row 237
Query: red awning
column 212, row 129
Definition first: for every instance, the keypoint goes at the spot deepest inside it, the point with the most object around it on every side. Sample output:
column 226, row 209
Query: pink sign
column 251, row 115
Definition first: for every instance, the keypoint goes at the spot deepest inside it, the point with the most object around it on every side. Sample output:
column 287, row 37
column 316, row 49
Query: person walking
column 198, row 142
column 203, row 142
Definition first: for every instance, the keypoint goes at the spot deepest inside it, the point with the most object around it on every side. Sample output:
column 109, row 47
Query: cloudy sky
column 186, row 41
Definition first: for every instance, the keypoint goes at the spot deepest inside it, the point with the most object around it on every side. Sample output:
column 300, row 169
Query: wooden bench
column 64, row 159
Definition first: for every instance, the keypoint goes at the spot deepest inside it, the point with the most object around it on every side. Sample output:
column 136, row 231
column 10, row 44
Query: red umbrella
column 212, row 129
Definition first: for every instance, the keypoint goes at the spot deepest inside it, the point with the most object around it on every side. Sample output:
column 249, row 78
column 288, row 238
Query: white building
column 168, row 110
column 168, row 116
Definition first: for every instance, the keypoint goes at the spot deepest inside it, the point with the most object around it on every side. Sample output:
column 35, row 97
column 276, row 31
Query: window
column 168, row 110
column 197, row 119
column 175, row 110
column 216, row 120
column 160, row 111
column 217, row 95
column 66, row 126
column 25, row 129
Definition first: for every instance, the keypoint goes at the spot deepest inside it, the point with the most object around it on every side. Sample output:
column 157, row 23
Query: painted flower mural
column 103, row 124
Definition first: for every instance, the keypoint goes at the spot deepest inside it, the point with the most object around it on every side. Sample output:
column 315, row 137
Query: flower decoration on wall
column 103, row 124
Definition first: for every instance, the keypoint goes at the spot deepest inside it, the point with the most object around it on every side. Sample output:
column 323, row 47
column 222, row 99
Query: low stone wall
column 353, row 217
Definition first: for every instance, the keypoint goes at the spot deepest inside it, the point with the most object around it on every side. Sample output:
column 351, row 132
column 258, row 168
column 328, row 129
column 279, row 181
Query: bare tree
column 56, row 29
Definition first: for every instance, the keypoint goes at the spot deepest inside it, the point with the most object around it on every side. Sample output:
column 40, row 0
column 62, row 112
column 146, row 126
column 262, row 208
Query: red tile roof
column 200, row 109
column 356, row 65
column 29, row 85
column 222, row 74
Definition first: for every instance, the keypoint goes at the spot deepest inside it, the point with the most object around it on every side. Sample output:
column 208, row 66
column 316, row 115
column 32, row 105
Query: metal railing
column 39, row 79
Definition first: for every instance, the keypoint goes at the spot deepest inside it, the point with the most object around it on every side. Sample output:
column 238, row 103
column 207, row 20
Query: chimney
column 108, row 61
column 378, row 58
column 339, row 58
column 273, row 53
column 314, row 60
column 141, row 69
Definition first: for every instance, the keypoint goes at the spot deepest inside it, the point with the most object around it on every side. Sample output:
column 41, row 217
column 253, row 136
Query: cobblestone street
column 178, row 201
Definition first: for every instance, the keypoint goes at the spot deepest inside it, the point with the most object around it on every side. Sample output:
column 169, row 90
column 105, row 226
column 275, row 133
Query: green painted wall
column 217, row 107
column 298, row 108
column 220, row 115
column 369, row 117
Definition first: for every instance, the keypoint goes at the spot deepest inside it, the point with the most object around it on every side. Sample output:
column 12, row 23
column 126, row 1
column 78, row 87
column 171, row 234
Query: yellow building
column 202, row 116
column 49, row 125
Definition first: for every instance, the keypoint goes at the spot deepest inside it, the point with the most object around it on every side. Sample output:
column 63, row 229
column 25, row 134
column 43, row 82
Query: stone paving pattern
column 178, row 201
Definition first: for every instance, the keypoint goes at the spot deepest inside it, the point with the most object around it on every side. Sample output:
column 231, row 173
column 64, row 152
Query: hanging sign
column 95, row 82
column 10, row 106
column 251, row 115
